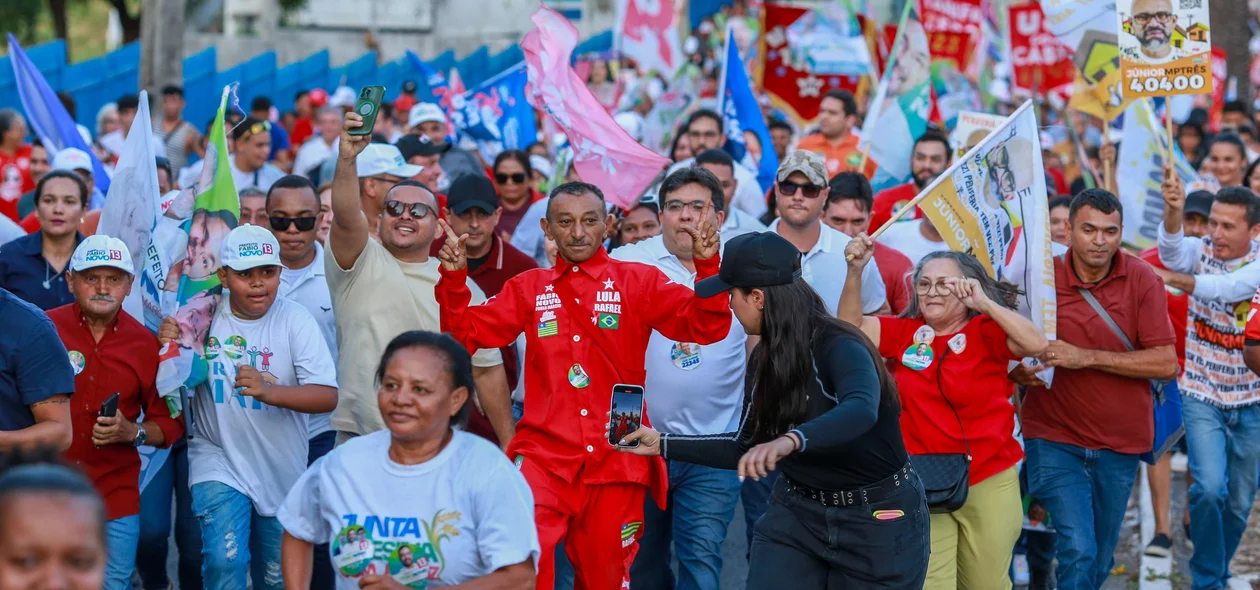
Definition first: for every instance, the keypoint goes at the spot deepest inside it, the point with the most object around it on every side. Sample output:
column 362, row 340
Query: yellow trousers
column 971, row 547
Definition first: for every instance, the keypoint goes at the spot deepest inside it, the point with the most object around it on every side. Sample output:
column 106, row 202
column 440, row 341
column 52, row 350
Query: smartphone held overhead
column 626, row 414
column 368, row 106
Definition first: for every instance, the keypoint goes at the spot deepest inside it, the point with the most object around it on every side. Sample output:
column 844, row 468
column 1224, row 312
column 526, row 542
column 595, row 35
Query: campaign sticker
column 685, row 355
column 958, row 343
column 577, row 377
column 213, row 348
column 77, row 361
column 352, row 550
column 234, row 347
column 924, row 335
column 917, row 356
column 409, row 567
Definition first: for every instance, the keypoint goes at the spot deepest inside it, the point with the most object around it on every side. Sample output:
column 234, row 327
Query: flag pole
column 1107, row 162
column 1168, row 125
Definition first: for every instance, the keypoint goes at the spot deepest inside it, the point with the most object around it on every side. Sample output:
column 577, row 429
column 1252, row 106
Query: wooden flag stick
column 866, row 151
column 1168, row 124
column 897, row 215
column 1107, row 163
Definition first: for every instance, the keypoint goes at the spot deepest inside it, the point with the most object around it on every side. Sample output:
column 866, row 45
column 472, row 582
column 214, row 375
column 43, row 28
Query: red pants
column 599, row 524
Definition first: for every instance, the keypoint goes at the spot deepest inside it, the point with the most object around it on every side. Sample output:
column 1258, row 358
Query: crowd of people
column 408, row 379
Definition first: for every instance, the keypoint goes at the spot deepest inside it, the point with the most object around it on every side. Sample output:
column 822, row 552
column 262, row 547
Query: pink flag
column 457, row 83
column 604, row 154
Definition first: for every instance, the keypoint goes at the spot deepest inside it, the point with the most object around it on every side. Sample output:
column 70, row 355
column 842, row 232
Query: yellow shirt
column 374, row 301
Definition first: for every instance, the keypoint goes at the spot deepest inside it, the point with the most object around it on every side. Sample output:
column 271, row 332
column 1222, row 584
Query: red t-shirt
column 1251, row 335
column 893, row 268
column 15, row 179
column 1091, row 408
column 1178, row 307
column 892, row 199
column 975, row 381
column 302, row 131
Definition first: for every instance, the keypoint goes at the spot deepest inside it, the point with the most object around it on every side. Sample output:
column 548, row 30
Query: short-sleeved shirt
column 970, row 368
column 844, row 156
column 825, row 269
column 125, row 361
column 255, row 448
column 1091, row 408
column 375, row 300
column 33, row 362
column 26, row 273
column 261, row 179
column 15, row 179
column 891, row 200
column 895, row 270
column 309, row 287
column 461, row 515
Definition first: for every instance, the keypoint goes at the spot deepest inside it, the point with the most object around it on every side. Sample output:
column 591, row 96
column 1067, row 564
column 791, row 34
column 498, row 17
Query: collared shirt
column 261, row 179
column 748, row 195
column 891, row 200
column 825, row 269
column 739, row 223
column 26, row 273
column 1091, row 408
column 587, row 326
column 309, row 287
column 33, row 363
column 839, row 157
column 692, row 388
column 125, row 361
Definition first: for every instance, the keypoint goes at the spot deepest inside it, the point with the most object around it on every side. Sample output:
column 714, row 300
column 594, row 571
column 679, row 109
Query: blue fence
column 95, row 82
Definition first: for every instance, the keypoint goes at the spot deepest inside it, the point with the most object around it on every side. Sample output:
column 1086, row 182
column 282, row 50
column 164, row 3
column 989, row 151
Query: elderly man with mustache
column 112, row 354
column 1153, row 23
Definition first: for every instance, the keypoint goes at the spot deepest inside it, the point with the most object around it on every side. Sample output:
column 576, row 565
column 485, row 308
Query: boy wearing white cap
column 269, row 367
column 112, row 354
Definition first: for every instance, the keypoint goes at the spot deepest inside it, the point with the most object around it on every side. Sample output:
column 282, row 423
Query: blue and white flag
column 741, row 113
column 496, row 114
column 46, row 114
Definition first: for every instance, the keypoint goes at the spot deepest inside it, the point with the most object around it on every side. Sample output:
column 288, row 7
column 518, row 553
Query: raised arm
column 848, row 371
column 1177, row 252
column 676, row 311
column 858, row 252
column 349, row 233
column 493, row 324
column 1023, row 338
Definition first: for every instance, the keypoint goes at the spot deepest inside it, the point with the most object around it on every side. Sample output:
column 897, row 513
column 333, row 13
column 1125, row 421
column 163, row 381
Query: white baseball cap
column 101, row 250
column 72, row 159
column 344, row 96
column 383, row 158
column 424, row 112
column 249, row 246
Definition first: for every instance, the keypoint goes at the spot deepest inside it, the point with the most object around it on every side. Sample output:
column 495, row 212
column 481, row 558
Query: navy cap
column 1199, row 203
column 762, row 259
column 417, row 145
column 472, row 190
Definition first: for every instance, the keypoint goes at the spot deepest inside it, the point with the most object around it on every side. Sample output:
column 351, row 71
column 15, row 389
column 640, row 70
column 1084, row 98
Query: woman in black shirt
column 848, row 511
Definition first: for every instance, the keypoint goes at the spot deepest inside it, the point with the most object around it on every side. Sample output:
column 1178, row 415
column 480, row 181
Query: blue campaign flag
column 741, row 113
column 47, row 116
column 496, row 113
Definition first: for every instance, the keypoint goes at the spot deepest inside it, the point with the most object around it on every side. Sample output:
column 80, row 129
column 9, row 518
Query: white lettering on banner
column 955, row 225
column 546, row 301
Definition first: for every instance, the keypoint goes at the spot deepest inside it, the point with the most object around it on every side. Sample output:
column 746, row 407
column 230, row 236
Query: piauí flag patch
column 548, row 329
column 608, row 321
column 629, row 530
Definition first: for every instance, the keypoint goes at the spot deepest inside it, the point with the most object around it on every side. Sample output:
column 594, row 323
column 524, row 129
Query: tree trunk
column 1230, row 32
column 130, row 23
column 162, row 44
column 61, row 28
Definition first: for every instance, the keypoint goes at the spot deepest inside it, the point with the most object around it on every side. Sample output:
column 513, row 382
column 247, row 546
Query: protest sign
column 1164, row 49
column 902, row 104
column 1140, row 173
column 1041, row 62
column 971, row 129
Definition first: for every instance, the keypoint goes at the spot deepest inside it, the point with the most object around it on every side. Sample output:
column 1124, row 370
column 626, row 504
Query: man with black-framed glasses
column 1152, row 22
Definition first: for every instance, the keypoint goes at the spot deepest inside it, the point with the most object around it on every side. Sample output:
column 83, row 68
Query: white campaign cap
column 249, row 246
column 72, row 159
column 383, row 158
column 344, row 96
column 101, row 250
column 424, row 112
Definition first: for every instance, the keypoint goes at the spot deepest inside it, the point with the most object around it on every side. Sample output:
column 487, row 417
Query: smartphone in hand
column 109, row 409
column 368, row 105
column 626, row 415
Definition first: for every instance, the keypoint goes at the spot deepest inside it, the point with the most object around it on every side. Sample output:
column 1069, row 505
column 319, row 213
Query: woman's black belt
column 884, row 489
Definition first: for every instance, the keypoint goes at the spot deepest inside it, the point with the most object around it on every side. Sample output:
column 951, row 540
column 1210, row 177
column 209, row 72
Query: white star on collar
column 608, row 284
column 549, row 288
column 595, row 319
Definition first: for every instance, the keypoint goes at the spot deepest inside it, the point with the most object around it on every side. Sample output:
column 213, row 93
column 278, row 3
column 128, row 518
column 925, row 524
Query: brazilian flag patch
column 608, row 321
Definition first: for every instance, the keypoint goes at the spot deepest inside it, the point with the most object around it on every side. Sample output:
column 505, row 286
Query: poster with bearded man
column 1164, row 47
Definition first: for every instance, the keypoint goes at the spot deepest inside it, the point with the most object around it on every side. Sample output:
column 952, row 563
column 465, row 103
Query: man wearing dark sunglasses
column 380, row 168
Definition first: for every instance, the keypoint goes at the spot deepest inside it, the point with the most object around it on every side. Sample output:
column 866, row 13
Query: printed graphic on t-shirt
column 224, row 380
column 685, row 355
column 409, row 549
column 11, row 180
column 547, row 325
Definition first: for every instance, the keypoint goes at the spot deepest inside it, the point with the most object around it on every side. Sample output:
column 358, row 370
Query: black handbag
column 945, row 475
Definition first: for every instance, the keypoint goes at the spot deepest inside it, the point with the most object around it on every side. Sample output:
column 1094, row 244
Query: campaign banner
column 670, row 109
column 1085, row 27
column 902, row 105
column 741, row 114
column 991, row 204
column 647, row 31
column 952, row 27
column 1140, row 162
column 791, row 84
column 497, row 115
column 829, row 41
column 1164, row 50
column 971, row 129
column 1041, row 62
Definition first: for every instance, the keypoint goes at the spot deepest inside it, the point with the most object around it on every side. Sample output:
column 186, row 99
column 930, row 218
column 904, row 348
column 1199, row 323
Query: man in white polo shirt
column 691, row 389
column 738, row 222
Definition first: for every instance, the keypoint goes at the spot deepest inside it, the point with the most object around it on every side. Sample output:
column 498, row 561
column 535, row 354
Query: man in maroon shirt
column 1083, row 435
column 112, row 354
column 587, row 323
column 848, row 210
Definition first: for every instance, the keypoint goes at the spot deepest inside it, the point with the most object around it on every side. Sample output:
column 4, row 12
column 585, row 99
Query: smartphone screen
column 368, row 106
column 109, row 409
column 627, row 413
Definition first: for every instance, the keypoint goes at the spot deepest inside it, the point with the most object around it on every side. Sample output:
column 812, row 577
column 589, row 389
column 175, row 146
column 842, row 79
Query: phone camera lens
column 365, row 109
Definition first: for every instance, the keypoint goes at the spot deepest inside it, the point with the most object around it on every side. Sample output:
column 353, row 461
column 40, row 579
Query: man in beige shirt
column 383, row 288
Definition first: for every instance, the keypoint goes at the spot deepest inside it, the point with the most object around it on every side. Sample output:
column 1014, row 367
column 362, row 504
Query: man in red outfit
column 587, row 323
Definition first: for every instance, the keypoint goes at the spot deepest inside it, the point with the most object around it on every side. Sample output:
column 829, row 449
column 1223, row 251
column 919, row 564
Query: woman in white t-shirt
column 421, row 504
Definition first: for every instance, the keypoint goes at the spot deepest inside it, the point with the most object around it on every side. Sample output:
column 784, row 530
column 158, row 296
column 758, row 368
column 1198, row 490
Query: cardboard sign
column 1165, row 49
column 971, row 129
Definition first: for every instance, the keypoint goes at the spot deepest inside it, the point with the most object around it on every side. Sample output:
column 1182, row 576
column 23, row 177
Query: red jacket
column 587, row 327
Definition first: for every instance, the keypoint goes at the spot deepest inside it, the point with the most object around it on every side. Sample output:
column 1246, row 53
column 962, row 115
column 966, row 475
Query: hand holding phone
column 109, row 409
column 626, row 414
column 368, row 105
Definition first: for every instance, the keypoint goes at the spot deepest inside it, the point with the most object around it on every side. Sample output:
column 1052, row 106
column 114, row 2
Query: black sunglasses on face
column 303, row 224
column 516, row 178
column 808, row 191
column 417, row 210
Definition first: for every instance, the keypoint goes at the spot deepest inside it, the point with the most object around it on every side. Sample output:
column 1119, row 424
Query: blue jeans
column 755, row 495
column 322, row 576
column 1086, row 492
column 239, row 542
column 701, row 505
column 155, row 526
column 121, row 535
column 1225, row 464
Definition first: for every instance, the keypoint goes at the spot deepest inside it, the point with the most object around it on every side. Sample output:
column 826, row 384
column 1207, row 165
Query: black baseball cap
column 417, row 145
column 762, row 259
column 1199, row 203
column 471, row 190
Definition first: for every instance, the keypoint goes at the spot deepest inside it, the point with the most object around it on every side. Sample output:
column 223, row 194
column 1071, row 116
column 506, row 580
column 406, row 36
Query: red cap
column 318, row 97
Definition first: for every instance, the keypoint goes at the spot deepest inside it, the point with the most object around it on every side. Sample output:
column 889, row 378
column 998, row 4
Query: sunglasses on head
column 303, row 224
column 808, row 191
column 417, row 210
column 516, row 178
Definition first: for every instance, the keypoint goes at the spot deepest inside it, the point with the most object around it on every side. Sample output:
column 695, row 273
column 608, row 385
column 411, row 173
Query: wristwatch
column 141, row 436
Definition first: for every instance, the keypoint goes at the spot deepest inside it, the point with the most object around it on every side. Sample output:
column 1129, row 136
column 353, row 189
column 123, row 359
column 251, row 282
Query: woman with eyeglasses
column 949, row 353
column 512, row 176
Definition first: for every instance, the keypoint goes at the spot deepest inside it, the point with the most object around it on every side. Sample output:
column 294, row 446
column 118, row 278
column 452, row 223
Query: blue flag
column 741, row 113
column 496, row 114
column 47, row 116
